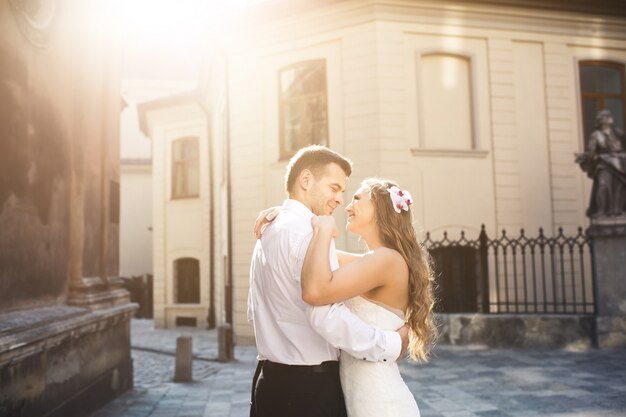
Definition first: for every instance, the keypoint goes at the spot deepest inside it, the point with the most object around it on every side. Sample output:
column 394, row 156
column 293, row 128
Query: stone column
column 608, row 250
column 94, row 166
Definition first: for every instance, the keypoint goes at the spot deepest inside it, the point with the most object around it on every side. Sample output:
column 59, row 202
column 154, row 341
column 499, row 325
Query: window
column 187, row 281
column 303, row 106
column 446, row 102
column 602, row 87
column 185, row 172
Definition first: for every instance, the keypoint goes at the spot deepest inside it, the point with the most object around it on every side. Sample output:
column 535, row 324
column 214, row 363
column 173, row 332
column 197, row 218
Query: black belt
column 324, row 367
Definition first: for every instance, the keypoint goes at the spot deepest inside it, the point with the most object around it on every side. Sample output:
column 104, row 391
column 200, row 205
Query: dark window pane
column 185, row 174
column 313, row 79
column 178, row 185
column 598, row 79
column 616, row 106
column 590, row 108
column 303, row 106
column 292, row 114
column 602, row 87
column 193, row 177
column 187, row 281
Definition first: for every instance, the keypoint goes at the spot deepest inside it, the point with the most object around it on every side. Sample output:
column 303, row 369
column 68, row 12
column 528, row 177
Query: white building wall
column 181, row 226
column 136, row 175
column 249, row 172
column 135, row 219
column 159, row 264
column 520, row 170
column 361, row 99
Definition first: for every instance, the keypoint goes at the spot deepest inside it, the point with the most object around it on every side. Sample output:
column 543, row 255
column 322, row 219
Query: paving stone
column 458, row 382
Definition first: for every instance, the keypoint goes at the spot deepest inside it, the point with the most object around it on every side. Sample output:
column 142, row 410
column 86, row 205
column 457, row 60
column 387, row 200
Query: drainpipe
column 211, row 320
column 229, row 280
column 211, row 313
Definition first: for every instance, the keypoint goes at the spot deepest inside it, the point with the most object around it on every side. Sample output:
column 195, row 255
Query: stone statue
column 604, row 161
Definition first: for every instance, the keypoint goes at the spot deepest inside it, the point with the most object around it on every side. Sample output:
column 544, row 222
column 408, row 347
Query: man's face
column 326, row 191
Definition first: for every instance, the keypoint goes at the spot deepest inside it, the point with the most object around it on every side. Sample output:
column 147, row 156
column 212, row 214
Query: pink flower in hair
column 401, row 199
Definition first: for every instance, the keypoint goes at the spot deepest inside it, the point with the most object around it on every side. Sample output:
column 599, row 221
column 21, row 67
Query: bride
column 387, row 286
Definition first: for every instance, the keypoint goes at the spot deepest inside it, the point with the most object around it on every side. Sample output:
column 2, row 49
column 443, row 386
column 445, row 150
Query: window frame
column 600, row 97
column 185, row 163
column 301, row 101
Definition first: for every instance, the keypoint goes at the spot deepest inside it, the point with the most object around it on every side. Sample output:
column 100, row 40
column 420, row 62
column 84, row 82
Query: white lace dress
column 375, row 389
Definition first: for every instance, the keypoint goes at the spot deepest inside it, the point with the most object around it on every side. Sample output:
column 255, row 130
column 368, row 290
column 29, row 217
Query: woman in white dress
column 387, row 286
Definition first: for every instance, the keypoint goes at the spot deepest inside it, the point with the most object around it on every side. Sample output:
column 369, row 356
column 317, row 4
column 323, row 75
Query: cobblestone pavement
column 458, row 382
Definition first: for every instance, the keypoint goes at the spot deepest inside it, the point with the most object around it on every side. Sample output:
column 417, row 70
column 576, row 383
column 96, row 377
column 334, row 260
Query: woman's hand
column 326, row 223
column 265, row 217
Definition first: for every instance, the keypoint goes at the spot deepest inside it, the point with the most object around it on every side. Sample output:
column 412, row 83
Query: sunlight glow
column 184, row 23
column 449, row 72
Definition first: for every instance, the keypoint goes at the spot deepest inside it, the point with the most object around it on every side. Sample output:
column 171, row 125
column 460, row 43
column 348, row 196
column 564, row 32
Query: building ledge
column 26, row 332
column 135, row 161
column 450, row 153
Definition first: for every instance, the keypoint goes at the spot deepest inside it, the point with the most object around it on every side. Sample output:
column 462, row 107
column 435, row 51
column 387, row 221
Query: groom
column 298, row 345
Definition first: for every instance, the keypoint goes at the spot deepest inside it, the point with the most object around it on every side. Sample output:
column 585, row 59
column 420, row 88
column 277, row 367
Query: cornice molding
column 270, row 21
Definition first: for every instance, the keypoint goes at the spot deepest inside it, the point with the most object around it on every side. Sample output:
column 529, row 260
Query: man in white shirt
column 298, row 344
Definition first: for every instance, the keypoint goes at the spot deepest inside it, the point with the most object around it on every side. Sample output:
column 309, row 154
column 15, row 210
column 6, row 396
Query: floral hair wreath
column 401, row 200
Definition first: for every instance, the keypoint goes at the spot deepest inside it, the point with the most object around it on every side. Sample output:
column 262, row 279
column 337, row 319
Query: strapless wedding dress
column 375, row 389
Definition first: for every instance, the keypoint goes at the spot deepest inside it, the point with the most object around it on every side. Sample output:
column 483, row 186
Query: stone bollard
column 225, row 343
column 184, row 359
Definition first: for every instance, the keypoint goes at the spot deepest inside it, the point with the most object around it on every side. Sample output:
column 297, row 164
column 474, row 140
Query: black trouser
column 297, row 391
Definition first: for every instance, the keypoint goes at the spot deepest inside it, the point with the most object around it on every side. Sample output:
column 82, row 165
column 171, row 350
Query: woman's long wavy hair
column 397, row 232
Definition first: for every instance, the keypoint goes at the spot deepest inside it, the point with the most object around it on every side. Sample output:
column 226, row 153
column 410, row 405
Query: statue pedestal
column 608, row 249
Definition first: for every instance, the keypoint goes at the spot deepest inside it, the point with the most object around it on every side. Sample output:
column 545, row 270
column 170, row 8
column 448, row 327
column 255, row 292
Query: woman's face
column 361, row 212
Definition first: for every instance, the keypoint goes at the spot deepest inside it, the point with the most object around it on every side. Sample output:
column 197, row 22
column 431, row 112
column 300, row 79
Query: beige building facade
column 475, row 107
column 190, row 213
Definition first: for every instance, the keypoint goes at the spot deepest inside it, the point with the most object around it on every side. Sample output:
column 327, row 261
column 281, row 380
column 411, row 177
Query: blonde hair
column 397, row 232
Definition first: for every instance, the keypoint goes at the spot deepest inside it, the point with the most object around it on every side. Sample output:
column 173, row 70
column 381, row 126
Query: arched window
column 602, row 87
column 303, row 106
column 187, row 281
column 185, row 172
column 446, row 113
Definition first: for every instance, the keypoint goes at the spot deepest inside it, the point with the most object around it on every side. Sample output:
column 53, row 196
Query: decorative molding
column 36, row 19
column 450, row 153
column 135, row 161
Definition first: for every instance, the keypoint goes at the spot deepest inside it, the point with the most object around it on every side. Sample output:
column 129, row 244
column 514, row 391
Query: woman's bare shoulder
column 389, row 256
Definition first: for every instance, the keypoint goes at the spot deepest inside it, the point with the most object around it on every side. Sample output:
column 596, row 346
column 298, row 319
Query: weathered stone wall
column 34, row 183
column 63, row 361
column 517, row 330
column 64, row 319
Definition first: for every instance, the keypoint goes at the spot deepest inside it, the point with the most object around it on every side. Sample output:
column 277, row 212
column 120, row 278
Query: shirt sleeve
column 342, row 328
column 250, row 311
column 345, row 331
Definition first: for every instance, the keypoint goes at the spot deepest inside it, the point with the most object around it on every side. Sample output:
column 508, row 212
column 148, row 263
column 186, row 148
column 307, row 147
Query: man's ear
column 305, row 179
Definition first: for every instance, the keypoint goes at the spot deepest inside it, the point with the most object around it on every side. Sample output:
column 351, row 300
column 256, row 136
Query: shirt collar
column 297, row 207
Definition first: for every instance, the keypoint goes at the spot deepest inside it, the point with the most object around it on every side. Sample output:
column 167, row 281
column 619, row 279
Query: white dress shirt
column 287, row 329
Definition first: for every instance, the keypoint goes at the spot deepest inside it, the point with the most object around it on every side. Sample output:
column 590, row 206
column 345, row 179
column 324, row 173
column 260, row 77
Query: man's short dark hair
column 315, row 158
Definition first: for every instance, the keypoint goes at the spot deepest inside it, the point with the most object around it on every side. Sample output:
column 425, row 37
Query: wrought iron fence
column 140, row 289
column 535, row 275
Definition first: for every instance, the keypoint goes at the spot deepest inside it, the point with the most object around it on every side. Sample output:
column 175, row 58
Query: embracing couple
column 330, row 325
